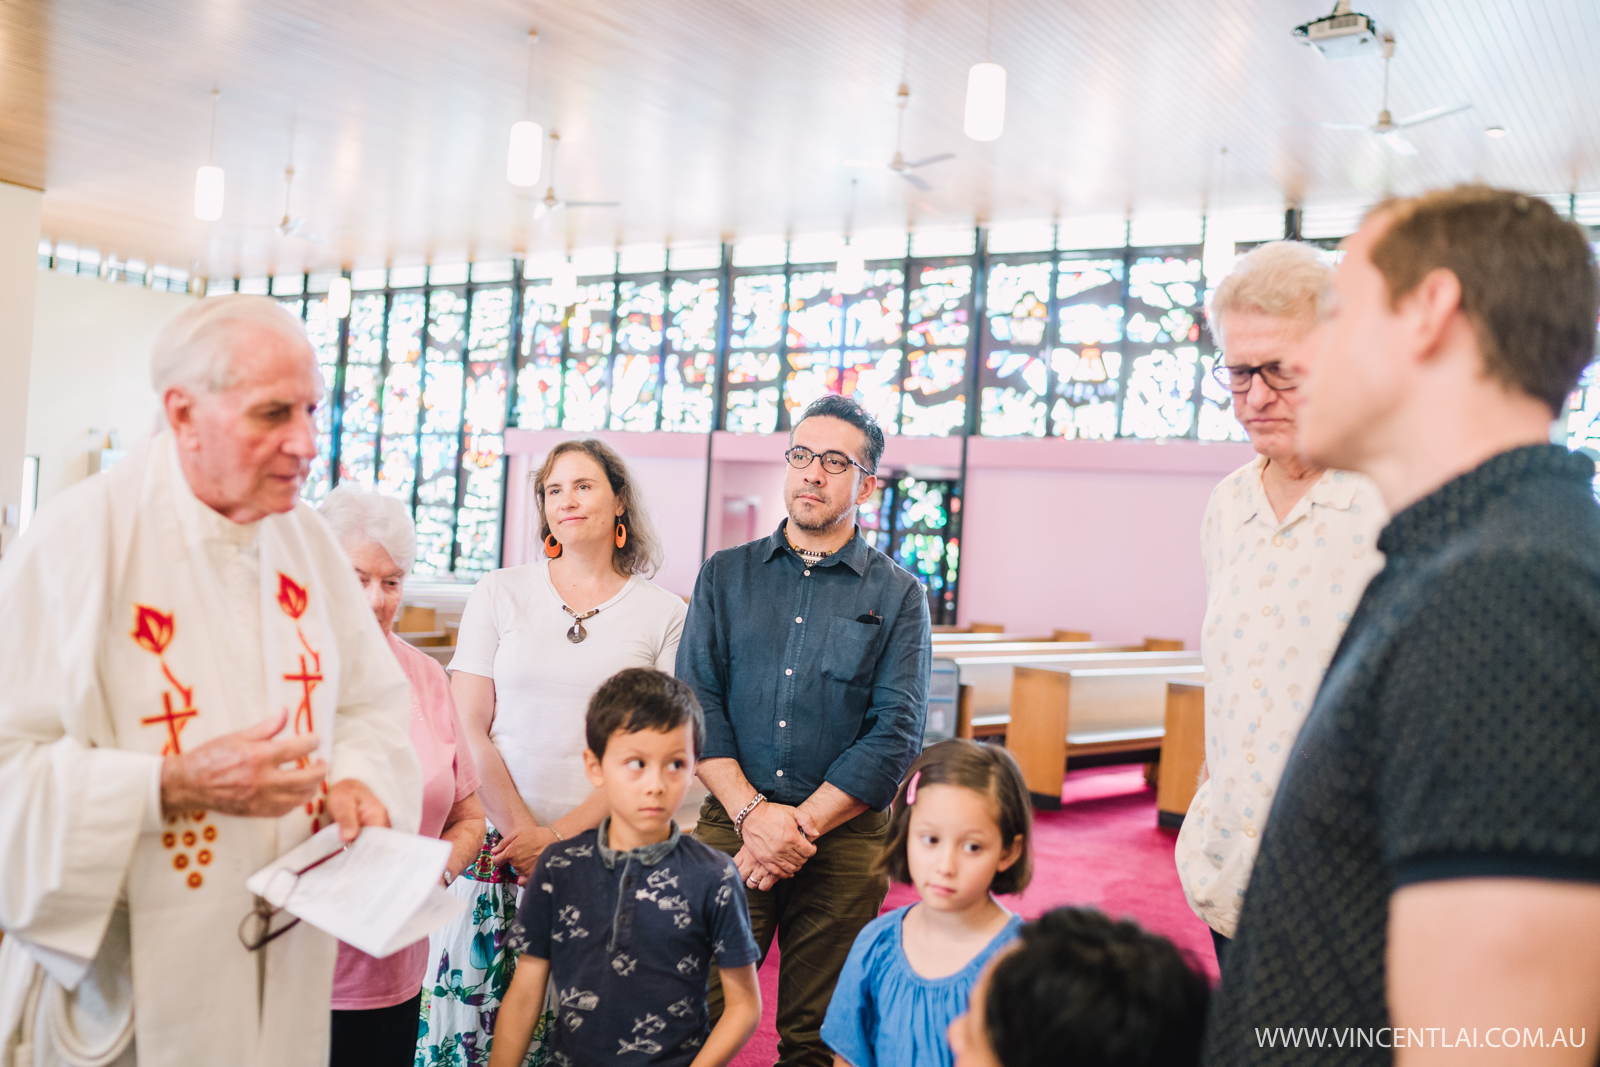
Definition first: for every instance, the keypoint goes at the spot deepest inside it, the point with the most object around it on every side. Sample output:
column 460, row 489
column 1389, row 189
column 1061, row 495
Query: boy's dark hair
column 1083, row 989
column 641, row 699
column 987, row 769
column 846, row 409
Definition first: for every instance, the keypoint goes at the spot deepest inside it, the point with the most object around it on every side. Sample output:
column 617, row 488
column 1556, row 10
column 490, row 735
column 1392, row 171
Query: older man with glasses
column 1288, row 548
column 810, row 652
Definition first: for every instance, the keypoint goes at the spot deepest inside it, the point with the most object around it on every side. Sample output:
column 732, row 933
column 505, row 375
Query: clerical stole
column 177, row 681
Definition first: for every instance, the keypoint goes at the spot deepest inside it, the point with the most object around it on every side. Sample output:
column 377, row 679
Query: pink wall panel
column 1115, row 554
column 1103, row 536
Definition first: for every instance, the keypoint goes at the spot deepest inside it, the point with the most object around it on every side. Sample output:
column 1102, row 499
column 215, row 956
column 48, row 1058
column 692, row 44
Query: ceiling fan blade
column 1399, row 144
column 1432, row 113
column 915, row 181
column 940, row 158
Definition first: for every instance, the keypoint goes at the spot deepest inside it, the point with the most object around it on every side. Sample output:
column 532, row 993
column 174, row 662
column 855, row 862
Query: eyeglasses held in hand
column 263, row 912
column 1238, row 377
column 833, row 462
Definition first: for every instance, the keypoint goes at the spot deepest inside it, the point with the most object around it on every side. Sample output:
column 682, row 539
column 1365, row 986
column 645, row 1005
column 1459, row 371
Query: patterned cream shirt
column 1278, row 597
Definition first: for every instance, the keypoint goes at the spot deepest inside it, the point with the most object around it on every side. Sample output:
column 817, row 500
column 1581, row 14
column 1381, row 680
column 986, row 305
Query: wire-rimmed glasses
column 800, row 458
column 1236, row 378
column 264, row 912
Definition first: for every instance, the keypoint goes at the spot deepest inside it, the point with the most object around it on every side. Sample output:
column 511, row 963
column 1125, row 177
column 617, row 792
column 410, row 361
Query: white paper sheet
column 380, row 895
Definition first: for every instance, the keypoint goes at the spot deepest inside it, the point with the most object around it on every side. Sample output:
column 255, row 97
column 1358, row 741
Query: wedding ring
column 751, row 881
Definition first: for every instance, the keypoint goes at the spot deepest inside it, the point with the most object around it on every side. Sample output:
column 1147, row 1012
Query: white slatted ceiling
column 713, row 120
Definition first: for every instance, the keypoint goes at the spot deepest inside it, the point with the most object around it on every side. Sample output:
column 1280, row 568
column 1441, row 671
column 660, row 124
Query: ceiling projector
column 1345, row 34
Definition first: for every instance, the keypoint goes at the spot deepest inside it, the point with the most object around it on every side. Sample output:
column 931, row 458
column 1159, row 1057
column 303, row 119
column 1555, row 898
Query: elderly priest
column 192, row 684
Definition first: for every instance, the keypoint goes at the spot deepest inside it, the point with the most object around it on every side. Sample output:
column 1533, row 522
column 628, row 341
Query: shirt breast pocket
column 849, row 651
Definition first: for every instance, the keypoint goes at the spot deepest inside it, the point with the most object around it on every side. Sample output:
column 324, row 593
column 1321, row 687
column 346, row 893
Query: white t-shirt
column 514, row 632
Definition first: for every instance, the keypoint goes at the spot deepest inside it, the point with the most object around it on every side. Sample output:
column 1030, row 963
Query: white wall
column 90, row 370
column 20, row 211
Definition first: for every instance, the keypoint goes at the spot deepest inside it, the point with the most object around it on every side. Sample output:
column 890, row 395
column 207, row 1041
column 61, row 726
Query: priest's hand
column 353, row 806
column 243, row 773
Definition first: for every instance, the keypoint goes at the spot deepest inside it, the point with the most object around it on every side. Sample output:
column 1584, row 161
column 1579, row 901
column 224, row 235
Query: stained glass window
column 694, row 309
column 1086, row 360
column 755, row 332
column 636, row 370
column 1162, row 352
column 585, row 398
column 539, row 363
column 323, row 330
column 1013, row 376
column 913, row 521
column 938, row 309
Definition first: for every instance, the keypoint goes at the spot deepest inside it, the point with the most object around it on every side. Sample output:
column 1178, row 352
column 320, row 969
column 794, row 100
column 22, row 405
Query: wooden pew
column 1106, row 713
column 963, row 637
column 1183, row 750
column 989, row 675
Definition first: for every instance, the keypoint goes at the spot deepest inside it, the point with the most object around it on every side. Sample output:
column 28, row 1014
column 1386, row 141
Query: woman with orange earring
column 535, row 643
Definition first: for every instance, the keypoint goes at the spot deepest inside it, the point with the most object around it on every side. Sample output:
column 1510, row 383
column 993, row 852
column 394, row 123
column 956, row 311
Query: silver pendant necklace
column 578, row 633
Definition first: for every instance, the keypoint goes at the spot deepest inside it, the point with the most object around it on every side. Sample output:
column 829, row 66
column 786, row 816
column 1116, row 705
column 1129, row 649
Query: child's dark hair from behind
column 641, row 699
column 1084, row 989
column 986, row 769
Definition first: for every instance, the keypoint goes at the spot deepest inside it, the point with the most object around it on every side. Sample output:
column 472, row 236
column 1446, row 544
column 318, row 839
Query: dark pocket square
column 870, row 619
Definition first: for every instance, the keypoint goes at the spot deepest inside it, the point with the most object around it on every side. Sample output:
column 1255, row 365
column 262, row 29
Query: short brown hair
column 642, row 553
column 1528, row 279
column 986, row 769
column 640, row 698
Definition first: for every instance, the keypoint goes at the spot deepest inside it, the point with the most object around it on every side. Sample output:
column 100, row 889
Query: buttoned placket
column 793, row 648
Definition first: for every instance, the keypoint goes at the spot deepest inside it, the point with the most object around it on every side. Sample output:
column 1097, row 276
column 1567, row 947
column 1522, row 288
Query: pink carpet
column 1102, row 849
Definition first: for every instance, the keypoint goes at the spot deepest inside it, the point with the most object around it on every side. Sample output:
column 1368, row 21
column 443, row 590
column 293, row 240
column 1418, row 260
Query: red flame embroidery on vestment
column 292, row 596
column 152, row 629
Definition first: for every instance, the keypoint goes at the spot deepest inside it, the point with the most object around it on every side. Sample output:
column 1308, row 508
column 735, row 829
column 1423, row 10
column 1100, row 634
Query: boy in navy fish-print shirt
column 626, row 919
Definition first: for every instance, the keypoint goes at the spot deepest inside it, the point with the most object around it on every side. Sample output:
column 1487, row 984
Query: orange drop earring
column 622, row 533
column 552, row 547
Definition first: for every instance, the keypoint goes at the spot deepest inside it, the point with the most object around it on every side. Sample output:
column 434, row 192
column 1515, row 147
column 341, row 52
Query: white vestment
column 134, row 620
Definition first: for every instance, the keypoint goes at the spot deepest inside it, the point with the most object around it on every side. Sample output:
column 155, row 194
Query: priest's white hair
column 361, row 515
column 196, row 348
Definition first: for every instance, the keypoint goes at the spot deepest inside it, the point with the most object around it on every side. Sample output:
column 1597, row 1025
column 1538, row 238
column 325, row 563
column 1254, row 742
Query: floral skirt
column 469, row 970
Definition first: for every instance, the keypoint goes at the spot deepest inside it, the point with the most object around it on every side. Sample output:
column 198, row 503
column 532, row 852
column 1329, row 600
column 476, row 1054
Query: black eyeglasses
column 833, row 462
column 1237, row 378
column 263, row 912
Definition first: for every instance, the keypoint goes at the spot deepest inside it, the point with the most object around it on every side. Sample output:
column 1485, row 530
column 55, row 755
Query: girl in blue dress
column 959, row 833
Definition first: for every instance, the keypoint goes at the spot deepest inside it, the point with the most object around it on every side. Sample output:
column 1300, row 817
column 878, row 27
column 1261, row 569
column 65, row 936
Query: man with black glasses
column 1288, row 547
column 810, row 652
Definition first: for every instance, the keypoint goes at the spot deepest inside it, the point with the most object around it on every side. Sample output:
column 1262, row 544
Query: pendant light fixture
column 339, row 297
column 850, row 274
column 986, row 94
column 527, row 139
column 208, row 179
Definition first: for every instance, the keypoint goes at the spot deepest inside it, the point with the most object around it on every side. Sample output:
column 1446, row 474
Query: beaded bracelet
column 738, row 820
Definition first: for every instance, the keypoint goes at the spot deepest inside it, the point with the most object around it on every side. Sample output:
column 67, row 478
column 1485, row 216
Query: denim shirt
column 795, row 685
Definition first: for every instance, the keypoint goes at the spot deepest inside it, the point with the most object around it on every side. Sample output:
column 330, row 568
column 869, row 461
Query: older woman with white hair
column 1288, row 548
column 376, row 1002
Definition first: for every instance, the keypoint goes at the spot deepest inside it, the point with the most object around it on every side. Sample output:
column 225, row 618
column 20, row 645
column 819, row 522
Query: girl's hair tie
column 911, row 789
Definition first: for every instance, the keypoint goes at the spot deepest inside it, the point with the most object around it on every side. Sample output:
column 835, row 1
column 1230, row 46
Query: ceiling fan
column 899, row 164
column 550, row 202
column 1387, row 127
column 292, row 226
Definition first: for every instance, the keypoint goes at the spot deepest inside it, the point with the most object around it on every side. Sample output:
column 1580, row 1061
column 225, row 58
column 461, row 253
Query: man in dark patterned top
column 1429, row 884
